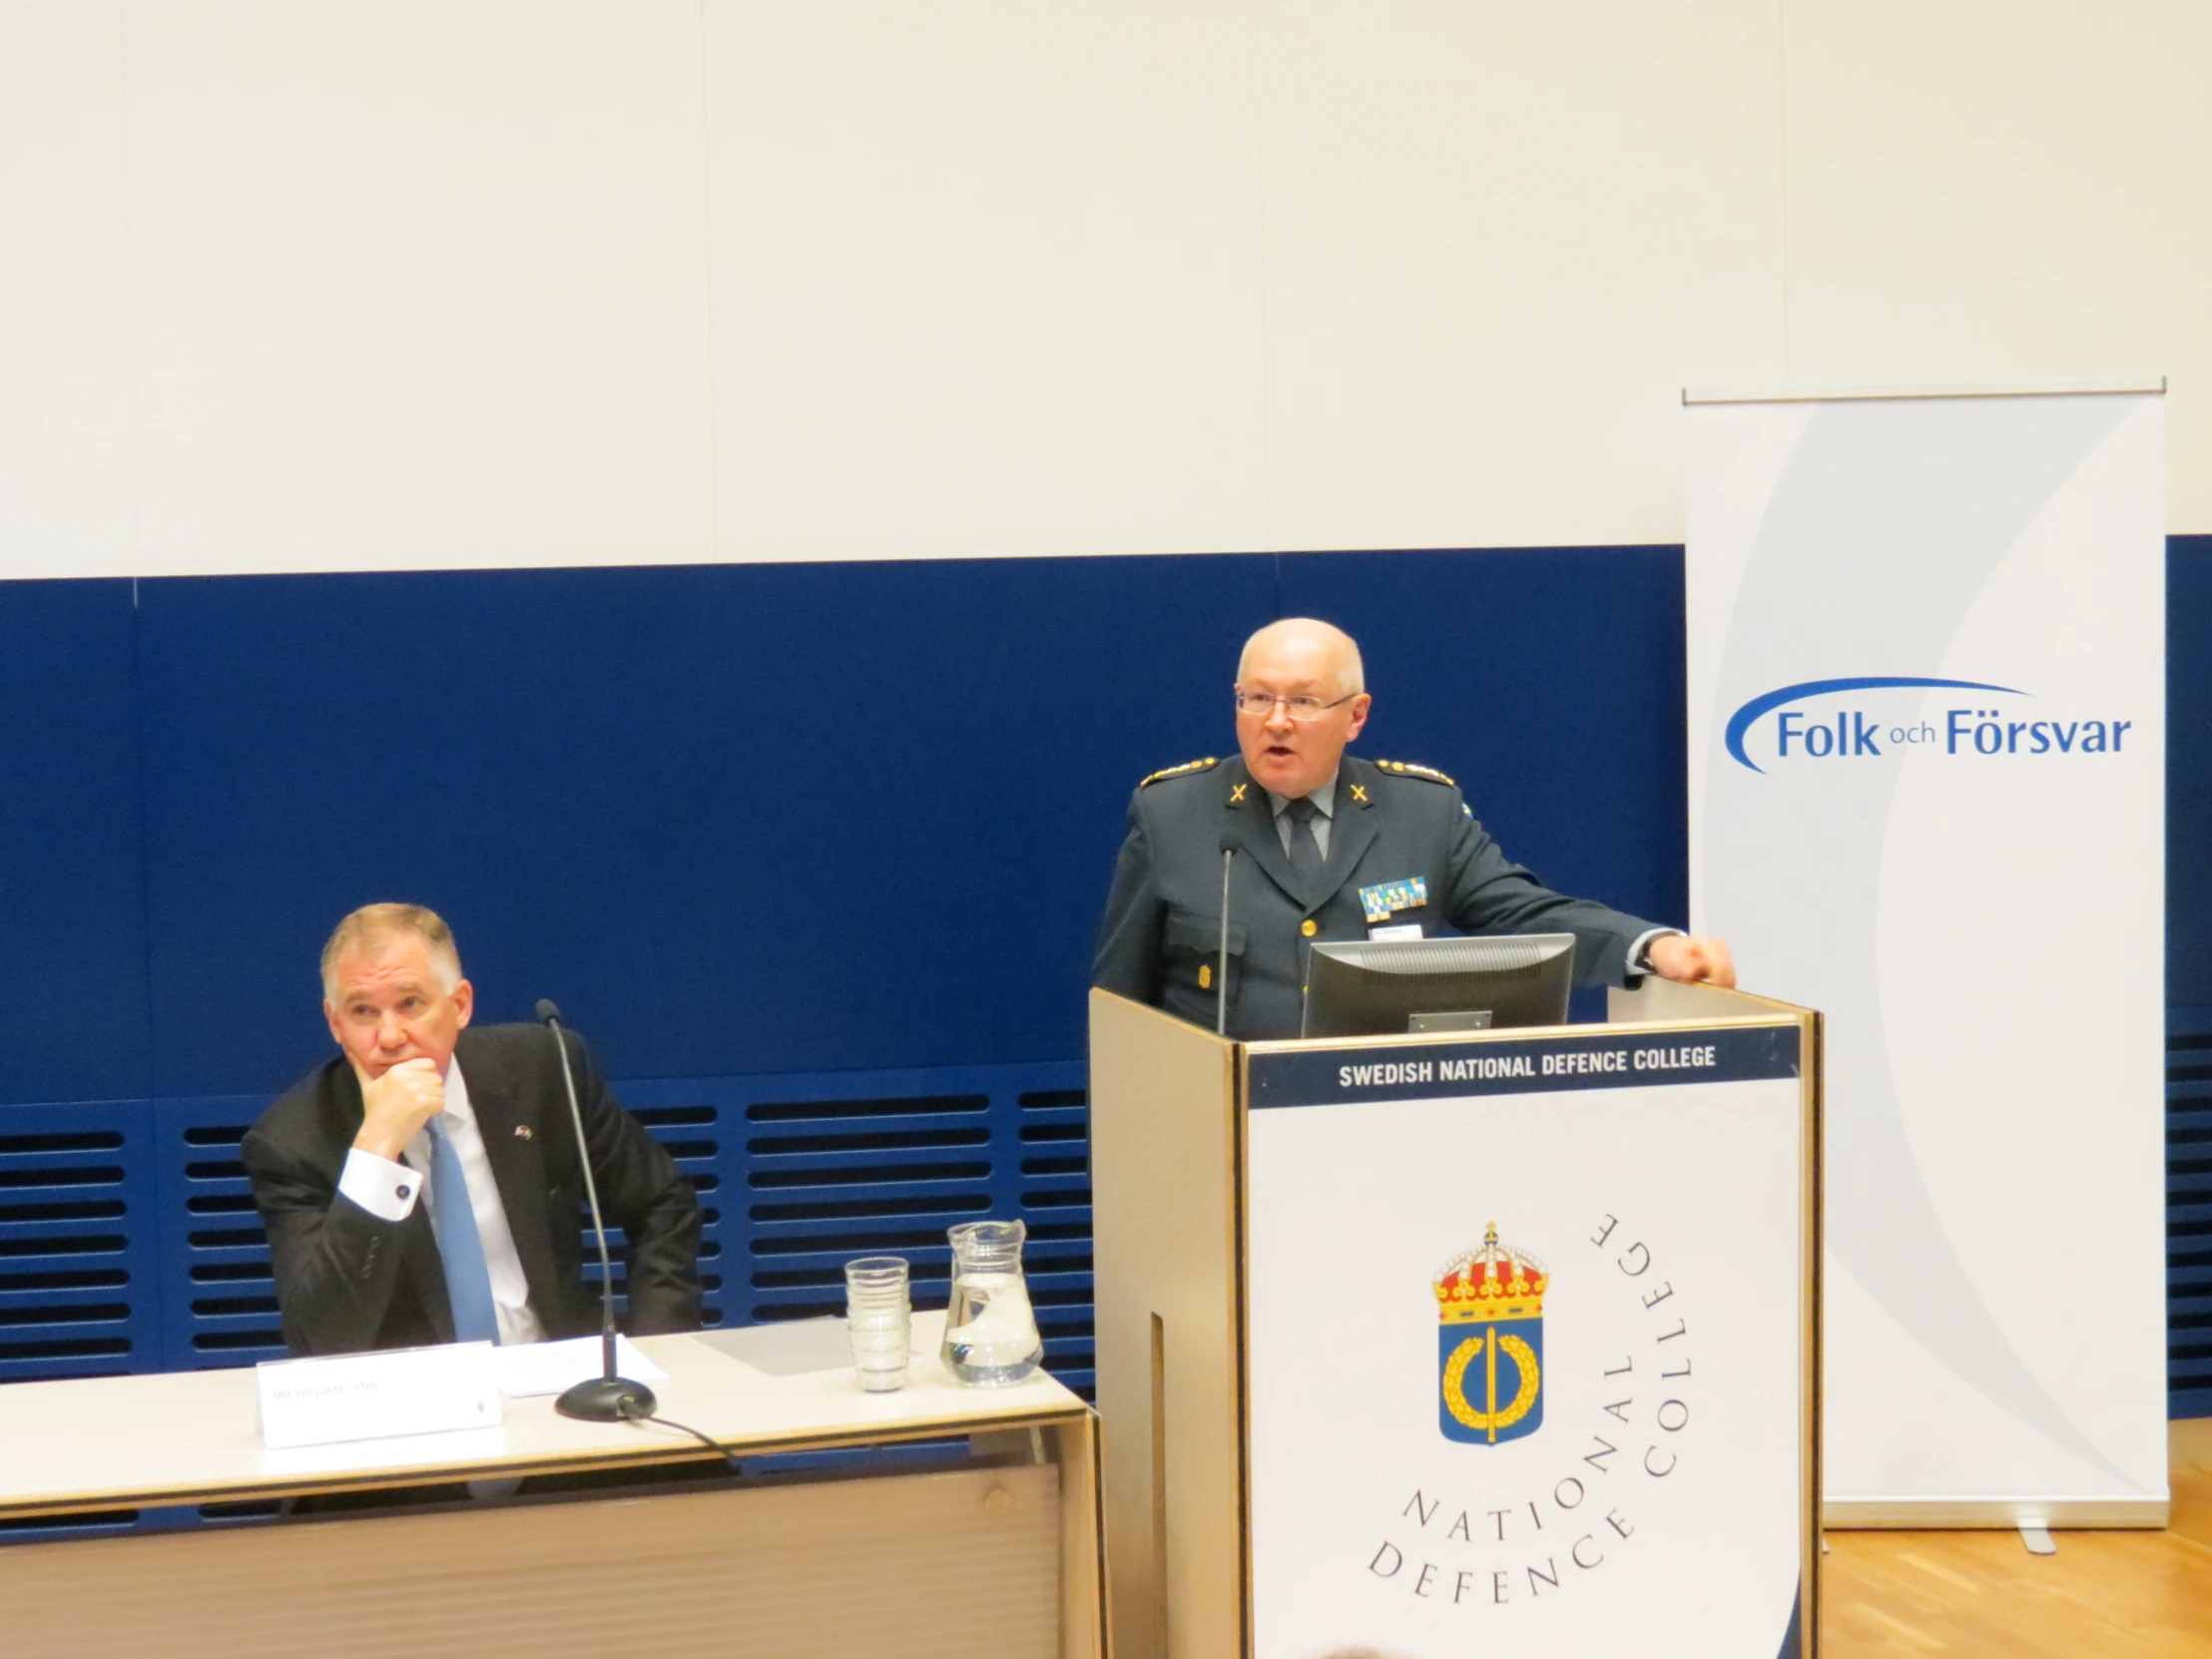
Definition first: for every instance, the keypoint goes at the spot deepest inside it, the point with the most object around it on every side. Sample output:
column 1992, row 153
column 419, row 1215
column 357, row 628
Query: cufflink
column 407, row 1191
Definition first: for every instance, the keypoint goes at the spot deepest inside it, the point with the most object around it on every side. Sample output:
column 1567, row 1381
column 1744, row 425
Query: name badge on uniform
column 1386, row 898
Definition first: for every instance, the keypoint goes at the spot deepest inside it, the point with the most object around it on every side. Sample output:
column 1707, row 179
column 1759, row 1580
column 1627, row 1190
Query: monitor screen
column 1383, row 988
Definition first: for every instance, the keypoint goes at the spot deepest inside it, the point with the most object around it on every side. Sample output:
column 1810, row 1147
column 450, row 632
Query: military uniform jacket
column 1391, row 821
column 348, row 1280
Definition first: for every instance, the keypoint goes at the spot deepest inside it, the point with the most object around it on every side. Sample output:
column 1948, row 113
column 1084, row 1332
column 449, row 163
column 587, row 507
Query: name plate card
column 368, row 1396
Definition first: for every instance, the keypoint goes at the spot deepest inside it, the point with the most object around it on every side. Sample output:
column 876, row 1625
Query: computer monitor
column 1381, row 988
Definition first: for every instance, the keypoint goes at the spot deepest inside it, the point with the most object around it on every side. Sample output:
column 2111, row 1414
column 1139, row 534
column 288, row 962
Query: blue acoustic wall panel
column 769, row 819
column 73, row 1019
column 814, row 853
column 2189, row 772
column 734, row 818
column 2189, row 974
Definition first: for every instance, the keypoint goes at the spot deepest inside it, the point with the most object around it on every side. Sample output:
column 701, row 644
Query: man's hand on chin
column 395, row 1106
column 1693, row 957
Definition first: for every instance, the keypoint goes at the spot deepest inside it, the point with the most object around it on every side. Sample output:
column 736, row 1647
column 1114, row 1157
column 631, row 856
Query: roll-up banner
column 1926, row 704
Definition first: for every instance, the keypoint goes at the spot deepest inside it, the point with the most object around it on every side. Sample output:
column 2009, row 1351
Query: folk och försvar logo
column 1832, row 732
column 1490, row 1342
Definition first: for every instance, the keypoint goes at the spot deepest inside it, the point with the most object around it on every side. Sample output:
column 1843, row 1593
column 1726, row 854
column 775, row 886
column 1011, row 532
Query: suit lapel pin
column 522, row 1131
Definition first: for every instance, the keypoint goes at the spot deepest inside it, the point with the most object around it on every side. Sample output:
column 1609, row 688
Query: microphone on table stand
column 607, row 1398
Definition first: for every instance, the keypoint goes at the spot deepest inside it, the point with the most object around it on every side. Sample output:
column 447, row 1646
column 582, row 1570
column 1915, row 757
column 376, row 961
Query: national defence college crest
column 1490, row 1342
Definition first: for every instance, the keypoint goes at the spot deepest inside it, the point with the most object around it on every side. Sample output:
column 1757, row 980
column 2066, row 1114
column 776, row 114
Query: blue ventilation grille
column 129, row 1239
column 77, row 1294
column 818, row 1168
column 693, row 1135
column 218, row 1301
column 2189, row 1211
column 104, row 1523
column 1055, row 1174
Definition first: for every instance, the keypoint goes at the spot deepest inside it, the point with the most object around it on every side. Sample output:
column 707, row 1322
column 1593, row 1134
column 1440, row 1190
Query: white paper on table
column 548, row 1367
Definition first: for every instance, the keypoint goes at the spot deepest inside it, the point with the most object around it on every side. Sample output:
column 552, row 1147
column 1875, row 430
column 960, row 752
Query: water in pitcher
column 990, row 1331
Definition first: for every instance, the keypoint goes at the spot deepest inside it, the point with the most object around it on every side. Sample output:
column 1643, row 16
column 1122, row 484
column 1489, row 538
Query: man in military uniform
column 1327, row 846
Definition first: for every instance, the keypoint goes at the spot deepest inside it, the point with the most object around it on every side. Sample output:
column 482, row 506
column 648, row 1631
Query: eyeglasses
column 1298, row 707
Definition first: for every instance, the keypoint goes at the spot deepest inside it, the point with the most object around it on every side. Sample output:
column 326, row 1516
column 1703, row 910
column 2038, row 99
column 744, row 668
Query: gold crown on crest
column 1494, row 1282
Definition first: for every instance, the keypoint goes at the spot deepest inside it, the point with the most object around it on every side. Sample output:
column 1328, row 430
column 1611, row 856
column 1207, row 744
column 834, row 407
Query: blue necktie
column 460, row 1247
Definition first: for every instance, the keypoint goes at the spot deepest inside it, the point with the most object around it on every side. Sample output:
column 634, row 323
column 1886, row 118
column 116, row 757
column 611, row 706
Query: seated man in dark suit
column 424, row 1186
column 1327, row 846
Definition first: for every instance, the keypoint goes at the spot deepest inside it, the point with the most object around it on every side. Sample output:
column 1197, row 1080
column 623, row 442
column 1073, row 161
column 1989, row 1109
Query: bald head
column 1320, row 650
column 1318, row 665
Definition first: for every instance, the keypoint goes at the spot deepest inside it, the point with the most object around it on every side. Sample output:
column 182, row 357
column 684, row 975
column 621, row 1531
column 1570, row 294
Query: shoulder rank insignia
column 1407, row 769
column 1183, row 770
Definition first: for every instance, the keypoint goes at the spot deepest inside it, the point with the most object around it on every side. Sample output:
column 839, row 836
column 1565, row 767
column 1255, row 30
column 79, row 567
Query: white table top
column 194, row 1438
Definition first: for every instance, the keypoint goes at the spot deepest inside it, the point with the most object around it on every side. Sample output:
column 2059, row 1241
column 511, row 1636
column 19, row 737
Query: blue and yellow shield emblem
column 1491, row 1344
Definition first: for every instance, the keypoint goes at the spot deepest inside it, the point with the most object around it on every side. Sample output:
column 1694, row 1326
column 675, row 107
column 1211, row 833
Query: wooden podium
column 1474, row 1341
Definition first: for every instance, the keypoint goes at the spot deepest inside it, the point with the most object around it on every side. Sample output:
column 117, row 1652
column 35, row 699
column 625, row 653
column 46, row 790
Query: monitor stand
column 1471, row 1020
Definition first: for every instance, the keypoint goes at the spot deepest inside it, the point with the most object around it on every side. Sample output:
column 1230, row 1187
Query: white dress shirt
column 390, row 1192
column 1324, row 798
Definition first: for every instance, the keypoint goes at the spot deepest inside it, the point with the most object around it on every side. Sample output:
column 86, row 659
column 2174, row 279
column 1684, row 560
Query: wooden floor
column 2104, row 1595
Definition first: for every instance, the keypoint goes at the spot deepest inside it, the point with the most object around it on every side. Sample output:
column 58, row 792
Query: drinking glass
column 880, row 1317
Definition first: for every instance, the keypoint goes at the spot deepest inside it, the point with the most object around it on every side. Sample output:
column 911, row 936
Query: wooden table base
column 966, row 1563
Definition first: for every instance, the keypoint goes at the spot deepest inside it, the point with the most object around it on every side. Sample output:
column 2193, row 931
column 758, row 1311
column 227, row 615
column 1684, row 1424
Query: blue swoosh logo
column 1739, row 721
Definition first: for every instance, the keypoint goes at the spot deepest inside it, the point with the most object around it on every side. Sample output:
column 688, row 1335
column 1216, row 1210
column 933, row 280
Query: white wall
column 311, row 284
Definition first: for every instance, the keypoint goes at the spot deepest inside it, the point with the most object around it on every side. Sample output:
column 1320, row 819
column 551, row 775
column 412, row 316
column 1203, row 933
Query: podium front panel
column 1527, row 1343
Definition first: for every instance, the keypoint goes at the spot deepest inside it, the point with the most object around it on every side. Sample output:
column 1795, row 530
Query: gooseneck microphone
column 607, row 1398
column 1221, row 967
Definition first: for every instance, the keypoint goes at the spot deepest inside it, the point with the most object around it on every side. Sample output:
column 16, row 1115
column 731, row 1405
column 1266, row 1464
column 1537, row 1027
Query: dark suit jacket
column 348, row 1281
column 1390, row 821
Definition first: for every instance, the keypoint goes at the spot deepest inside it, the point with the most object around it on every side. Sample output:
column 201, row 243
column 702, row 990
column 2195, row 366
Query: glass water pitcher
column 990, row 1332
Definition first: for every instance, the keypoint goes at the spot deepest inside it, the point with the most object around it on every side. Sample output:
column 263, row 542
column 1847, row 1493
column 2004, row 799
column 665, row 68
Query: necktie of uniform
column 461, row 1246
column 1304, row 849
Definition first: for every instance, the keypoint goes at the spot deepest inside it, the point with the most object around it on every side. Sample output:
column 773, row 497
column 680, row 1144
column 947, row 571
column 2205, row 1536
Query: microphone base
column 607, row 1400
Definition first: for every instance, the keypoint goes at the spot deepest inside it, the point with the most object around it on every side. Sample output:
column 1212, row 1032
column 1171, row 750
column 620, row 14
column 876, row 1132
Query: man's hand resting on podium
column 1691, row 958
column 395, row 1106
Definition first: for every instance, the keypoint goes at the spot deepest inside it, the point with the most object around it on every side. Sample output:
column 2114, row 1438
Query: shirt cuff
column 1638, row 961
column 385, row 1189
